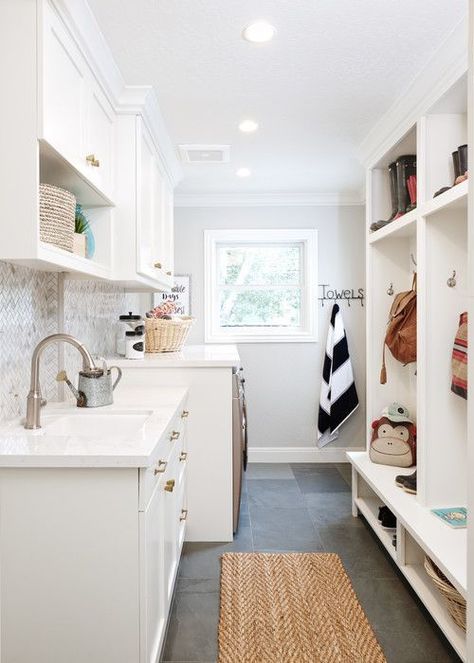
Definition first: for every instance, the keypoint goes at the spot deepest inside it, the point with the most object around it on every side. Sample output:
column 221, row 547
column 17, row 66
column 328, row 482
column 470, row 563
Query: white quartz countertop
column 191, row 356
column 137, row 419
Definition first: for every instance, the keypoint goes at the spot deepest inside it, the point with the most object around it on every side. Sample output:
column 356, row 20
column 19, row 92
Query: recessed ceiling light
column 243, row 172
column 248, row 126
column 259, row 32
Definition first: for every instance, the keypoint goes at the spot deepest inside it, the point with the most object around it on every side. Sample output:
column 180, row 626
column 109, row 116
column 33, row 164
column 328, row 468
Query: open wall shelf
column 432, row 240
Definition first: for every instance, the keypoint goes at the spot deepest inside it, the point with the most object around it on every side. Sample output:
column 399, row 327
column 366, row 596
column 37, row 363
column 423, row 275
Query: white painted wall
column 283, row 379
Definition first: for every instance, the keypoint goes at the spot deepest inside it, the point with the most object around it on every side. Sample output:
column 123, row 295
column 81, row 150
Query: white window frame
column 307, row 333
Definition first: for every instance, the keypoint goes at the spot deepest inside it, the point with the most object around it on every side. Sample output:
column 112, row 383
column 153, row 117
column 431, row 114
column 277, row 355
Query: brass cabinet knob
column 161, row 467
column 183, row 455
column 90, row 158
column 157, row 265
column 184, row 514
column 174, row 435
column 169, row 273
column 184, row 414
column 169, row 486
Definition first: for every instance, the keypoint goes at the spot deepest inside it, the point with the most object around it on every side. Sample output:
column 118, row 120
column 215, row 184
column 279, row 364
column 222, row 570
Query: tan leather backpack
column 400, row 337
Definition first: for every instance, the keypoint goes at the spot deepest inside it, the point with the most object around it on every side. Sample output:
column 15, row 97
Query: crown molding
column 267, row 199
column 448, row 65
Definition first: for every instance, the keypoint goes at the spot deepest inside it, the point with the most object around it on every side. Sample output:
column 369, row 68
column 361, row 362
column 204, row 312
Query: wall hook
column 451, row 282
column 390, row 290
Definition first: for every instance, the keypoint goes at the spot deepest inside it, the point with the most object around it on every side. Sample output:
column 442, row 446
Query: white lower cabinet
column 90, row 557
column 153, row 586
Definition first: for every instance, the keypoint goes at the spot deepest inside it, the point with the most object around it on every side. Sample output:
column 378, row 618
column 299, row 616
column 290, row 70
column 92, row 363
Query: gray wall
column 283, row 379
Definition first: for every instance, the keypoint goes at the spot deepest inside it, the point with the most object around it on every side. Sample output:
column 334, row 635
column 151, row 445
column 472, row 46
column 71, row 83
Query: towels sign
column 329, row 294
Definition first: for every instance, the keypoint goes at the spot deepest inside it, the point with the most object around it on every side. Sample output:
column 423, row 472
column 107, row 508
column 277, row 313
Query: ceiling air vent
column 204, row 153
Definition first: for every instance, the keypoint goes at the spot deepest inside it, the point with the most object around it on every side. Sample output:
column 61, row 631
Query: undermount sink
column 98, row 425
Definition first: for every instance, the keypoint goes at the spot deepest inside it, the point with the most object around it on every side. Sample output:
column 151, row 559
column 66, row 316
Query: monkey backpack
column 393, row 443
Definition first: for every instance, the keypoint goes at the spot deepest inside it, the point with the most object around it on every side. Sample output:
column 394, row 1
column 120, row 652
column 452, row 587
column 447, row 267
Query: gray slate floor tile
column 319, row 479
column 269, row 471
column 192, row 632
column 275, row 493
column 281, row 529
column 331, row 509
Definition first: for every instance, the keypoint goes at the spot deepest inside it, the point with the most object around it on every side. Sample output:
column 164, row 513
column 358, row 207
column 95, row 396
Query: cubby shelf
column 405, row 226
column 430, row 597
column 369, row 506
column 455, row 198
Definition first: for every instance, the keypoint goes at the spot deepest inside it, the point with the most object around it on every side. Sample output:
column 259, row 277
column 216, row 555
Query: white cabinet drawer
column 172, row 454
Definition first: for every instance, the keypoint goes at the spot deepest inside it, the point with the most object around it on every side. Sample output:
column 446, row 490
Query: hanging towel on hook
column 338, row 391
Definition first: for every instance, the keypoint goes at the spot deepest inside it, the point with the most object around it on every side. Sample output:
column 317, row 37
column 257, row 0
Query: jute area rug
column 291, row 608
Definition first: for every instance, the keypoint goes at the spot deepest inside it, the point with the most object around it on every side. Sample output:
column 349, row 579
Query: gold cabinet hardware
column 169, row 273
column 161, row 467
column 184, row 414
column 90, row 158
column 169, row 486
column 157, row 265
column 183, row 455
column 184, row 514
column 174, row 435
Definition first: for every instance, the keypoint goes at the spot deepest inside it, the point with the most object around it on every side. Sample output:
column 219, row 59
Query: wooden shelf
column 446, row 546
column 405, row 226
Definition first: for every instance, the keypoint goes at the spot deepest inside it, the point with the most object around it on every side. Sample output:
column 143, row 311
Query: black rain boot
column 457, row 173
column 462, row 150
column 406, row 167
column 457, row 167
column 392, row 172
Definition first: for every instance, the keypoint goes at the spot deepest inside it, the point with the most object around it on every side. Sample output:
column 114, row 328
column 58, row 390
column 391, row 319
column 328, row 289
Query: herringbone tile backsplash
column 29, row 311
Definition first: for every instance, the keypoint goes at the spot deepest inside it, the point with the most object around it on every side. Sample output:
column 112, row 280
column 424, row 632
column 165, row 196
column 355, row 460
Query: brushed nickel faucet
column 34, row 401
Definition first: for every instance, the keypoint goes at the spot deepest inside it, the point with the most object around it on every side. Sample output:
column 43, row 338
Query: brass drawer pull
column 161, row 467
column 183, row 455
column 184, row 514
column 157, row 265
column 184, row 414
column 169, row 273
column 90, row 158
column 174, row 435
column 169, row 487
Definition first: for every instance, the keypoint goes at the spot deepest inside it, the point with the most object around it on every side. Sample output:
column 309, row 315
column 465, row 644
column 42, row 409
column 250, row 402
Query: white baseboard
column 299, row 454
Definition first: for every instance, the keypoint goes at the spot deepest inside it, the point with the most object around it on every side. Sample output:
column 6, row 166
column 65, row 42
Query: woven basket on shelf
column 57, row 210
column 455, row 603
column 166, row 335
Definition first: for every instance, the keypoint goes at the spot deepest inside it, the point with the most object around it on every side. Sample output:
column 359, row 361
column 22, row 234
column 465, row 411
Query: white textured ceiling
column 333, row 69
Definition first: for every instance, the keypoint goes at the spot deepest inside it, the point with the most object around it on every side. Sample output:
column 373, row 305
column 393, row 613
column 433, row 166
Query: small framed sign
column 180, row 295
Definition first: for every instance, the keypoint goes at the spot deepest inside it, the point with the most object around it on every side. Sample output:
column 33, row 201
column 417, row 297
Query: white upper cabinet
column 100, row 140
column 71, row 122
column 143, row 218
column 76, row 118
column 63, row 88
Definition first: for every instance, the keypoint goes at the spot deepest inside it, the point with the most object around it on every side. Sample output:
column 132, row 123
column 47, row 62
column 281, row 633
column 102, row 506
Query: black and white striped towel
column 338, row 391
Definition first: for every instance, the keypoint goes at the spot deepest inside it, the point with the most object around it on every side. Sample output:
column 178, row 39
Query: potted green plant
column 82, row 228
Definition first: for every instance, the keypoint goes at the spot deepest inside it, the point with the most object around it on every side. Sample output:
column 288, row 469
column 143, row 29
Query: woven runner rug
column 291, row 608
